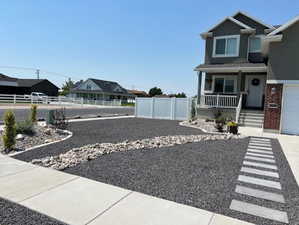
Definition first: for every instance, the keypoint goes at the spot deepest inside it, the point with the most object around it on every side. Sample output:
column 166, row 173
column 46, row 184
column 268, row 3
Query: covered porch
column 223, row 85
column 231, row 86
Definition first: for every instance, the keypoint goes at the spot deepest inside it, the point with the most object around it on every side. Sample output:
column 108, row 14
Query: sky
column 138, row 43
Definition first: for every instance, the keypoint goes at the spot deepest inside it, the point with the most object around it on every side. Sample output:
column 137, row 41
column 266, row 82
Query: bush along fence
column 60, row 100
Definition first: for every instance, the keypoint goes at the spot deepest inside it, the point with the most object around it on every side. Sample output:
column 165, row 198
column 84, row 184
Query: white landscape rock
column 85, row 153
column 20, row 137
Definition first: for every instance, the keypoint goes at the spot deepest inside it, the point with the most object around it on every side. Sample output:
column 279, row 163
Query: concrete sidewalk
column 289, row 145
column 76, row 200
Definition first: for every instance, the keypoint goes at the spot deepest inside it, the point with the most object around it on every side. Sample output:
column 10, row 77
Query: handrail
column 238, row 109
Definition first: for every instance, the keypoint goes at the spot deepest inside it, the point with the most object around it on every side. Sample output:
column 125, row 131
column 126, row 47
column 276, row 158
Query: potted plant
column 219, row 123
column 232, row 127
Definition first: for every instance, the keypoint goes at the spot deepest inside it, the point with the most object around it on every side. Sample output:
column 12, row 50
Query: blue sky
column 138, row 43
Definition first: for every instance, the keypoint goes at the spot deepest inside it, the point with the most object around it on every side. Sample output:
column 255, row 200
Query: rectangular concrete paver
column 259, row 172
column 260, row 159
column 260, row 194
column 224, row 220
column 77, row 202
column 140, row 209
column 260, row 211
column 260, row 155
column 258, row 181
column 259, row 147
column 261, row 165
column 28, row 183
column 260, row 151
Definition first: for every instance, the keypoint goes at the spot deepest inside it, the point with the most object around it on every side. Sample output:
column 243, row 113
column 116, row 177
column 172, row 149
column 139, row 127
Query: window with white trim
column 224, row 84
column 226, row 46
column 255, row 44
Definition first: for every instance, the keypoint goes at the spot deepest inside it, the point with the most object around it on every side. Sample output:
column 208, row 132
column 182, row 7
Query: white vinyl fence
column 59, row 100
column 163, row 108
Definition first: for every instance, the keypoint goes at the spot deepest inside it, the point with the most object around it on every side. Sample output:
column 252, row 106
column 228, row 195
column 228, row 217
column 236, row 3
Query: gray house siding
column 260, row 29
column 283, row 63
column 227, row 28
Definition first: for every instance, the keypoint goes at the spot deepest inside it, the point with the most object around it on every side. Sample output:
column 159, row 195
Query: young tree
column 155, row 91
column 69, row 84
column 9, row 136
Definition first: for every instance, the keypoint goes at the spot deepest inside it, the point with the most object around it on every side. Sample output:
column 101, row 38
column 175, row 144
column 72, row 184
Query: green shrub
column 193, row 109
column 33, row 113
column 25, row 127
column 9, row 136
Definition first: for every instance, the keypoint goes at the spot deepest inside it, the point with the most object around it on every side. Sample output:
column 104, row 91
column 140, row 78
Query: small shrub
column 25, row 127
column 219, row 123
column 232, row 127
column 9, row 136
column 57, row 118
column 33, row 113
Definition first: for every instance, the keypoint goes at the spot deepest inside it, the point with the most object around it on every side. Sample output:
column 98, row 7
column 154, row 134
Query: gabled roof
column 253, row 18
column 284, row 26
column 6, row 78
column 28, row 82
column 232, row 20
column 109, row 86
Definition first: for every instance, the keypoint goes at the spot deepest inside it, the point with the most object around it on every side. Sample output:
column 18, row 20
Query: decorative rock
column 48, row 131
column 20, row 137
column 85, row 153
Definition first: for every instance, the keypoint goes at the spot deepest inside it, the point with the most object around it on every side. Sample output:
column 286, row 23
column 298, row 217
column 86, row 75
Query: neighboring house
column 10, row 85
column 138, row 93
column 95, row 89
column 251, row 73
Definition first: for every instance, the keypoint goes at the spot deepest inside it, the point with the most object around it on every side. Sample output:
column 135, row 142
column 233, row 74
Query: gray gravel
column 202, row 175
column 22, row 114
column 112, row 131
column 14, row 214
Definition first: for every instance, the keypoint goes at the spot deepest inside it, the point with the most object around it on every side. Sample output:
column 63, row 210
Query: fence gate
column 163, row 108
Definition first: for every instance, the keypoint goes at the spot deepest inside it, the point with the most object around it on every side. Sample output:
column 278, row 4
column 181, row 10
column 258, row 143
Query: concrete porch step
column 248, row 124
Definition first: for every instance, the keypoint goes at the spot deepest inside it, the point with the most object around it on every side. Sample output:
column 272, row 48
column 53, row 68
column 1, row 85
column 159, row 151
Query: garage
column 290, row 110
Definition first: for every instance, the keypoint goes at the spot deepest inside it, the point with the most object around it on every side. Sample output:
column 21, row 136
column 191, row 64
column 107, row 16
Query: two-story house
column 251, row 73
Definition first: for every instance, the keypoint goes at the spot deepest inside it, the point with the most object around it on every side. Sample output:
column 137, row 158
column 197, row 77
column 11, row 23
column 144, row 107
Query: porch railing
column 219, row 101
column 238, row 109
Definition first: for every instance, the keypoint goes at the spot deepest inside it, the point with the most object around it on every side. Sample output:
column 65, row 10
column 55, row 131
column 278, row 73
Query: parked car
column 38, row 97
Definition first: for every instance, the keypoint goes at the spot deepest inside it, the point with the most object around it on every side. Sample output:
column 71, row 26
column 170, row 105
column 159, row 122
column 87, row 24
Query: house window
column 226, row 46
column 255, row 44
column 225, row 84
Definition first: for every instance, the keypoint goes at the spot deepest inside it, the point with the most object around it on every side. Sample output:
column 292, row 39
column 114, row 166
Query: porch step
column 251, row 118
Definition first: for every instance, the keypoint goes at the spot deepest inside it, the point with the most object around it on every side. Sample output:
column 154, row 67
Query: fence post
column 217, row 100
column 31, row 98
column 153, row 107
column 136, row 100
column 172, row 108
column 59, row 100
column 14, row 99
column 189, row 105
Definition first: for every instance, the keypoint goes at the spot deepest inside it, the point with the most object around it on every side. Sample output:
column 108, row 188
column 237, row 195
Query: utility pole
column 37, row 73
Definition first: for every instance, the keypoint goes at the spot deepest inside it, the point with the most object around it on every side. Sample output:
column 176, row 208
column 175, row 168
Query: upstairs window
column 226, row 46
column 255, row 44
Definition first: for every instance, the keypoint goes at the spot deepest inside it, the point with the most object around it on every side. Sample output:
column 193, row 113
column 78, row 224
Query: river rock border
column 85, row 153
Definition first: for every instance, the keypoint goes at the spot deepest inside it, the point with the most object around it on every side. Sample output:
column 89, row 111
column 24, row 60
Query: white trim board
column 285, row 26
column 253, row 18
column 232, row 20
column 283, row 82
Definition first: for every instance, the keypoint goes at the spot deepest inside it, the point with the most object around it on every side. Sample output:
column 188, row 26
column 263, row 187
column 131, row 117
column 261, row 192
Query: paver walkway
column 260, row 151
column 76, row 200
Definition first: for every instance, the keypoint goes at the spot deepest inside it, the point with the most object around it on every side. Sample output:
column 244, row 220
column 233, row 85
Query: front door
column 255, row 89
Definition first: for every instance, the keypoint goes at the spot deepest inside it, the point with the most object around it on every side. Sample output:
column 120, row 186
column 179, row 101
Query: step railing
column 219, row 101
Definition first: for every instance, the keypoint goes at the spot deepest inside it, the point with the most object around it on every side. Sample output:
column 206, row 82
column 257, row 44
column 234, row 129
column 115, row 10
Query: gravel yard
column 22, row 114
column 202, row 175
column 112, row 131
column 14, row 214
